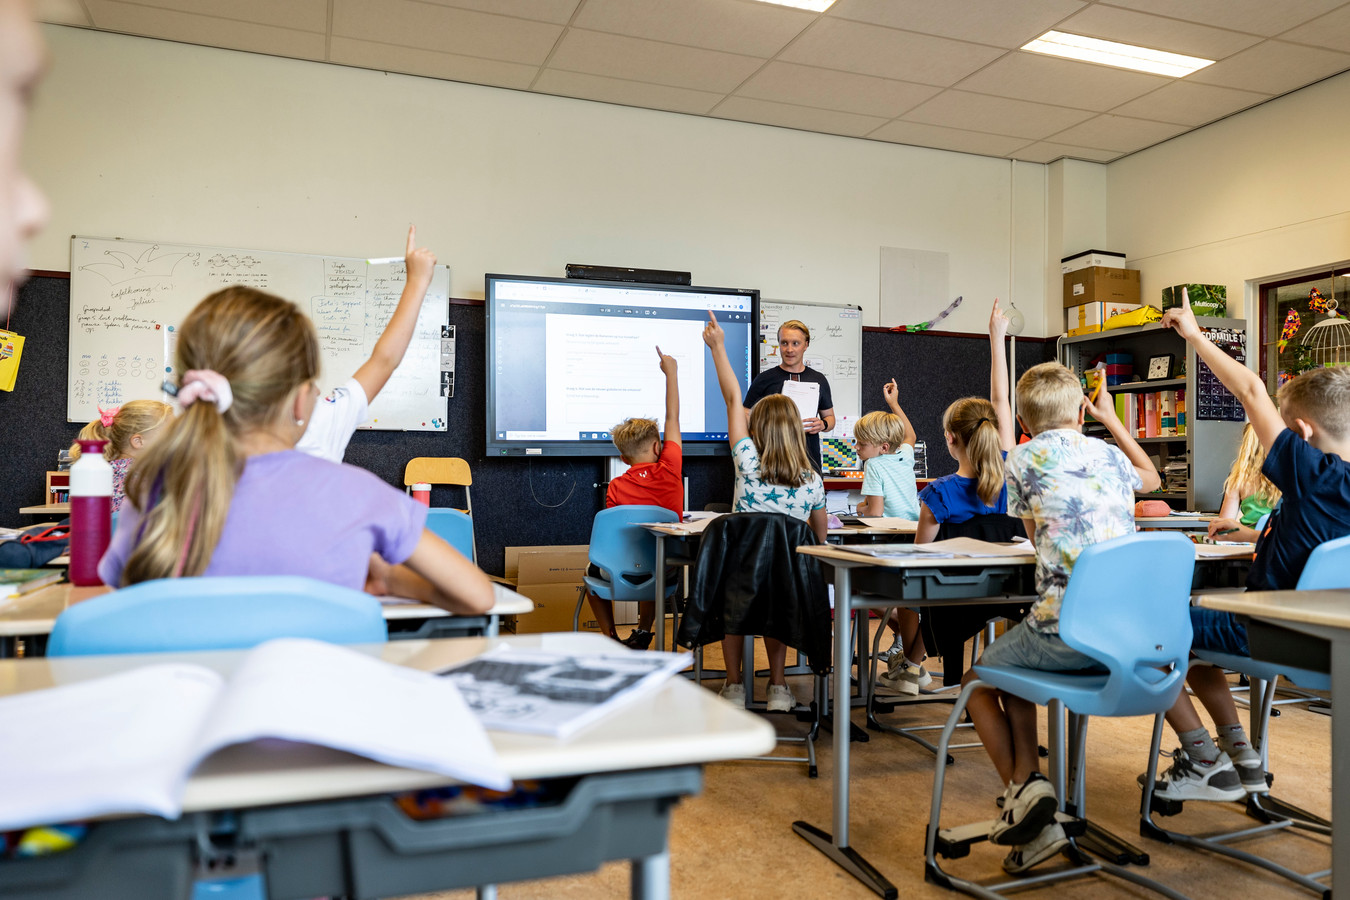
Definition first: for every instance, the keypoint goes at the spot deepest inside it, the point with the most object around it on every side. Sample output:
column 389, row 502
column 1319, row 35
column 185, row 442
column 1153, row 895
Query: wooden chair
column 442, row 470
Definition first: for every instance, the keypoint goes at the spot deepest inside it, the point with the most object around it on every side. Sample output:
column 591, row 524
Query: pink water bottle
column 91, row 487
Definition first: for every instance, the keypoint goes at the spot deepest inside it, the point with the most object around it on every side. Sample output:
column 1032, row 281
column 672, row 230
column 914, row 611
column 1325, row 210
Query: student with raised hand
column 23, row 209
column 348, row 405
column 1307, row 445
column 225, row 492
column 774, row 473
column 129, row 430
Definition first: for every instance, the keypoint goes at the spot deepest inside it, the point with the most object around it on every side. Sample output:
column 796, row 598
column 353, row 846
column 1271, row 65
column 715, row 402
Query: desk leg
column 837, row 847
column 650, row 877
column 660, row 578
column 1340, row 758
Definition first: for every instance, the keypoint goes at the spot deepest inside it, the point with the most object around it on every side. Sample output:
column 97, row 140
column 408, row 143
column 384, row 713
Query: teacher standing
column 793, row 339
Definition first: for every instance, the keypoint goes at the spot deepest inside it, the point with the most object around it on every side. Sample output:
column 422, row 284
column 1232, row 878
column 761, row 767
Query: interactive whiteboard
column 128, row 297
column 835, row 351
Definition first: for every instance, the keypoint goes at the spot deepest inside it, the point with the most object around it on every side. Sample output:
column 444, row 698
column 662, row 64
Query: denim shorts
column 1029, row 649
column 1219, row 631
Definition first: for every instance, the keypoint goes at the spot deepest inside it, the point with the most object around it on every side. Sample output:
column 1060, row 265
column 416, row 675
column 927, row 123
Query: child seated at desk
column 1307, row 444
column 774, row 473
column 654, row 478
column 1247, row 494
column 225, row 492
column 129, row 429
column 1071, row 491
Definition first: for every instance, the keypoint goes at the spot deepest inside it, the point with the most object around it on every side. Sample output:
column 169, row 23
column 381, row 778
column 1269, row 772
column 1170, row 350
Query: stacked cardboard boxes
column 551, row 577
column 1095, row 294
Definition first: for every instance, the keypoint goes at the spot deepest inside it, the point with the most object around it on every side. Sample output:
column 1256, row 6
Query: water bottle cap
column 91, row 445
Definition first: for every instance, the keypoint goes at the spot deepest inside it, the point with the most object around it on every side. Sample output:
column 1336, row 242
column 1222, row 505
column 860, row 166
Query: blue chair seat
column 1255, row 668
column 603, row 589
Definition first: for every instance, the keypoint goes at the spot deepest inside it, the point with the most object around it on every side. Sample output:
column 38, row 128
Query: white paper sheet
column 895, row 523
column 806, row 394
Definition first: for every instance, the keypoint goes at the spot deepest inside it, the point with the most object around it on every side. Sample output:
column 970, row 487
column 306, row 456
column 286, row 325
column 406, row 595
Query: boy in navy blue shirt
column 1307, row 442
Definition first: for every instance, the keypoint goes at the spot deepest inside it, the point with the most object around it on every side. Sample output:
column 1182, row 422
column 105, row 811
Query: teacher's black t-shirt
column 770, row 381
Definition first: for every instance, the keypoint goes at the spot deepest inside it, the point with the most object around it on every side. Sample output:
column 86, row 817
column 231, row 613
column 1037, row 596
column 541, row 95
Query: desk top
column 46, row 509
column 837, row 554
column 1196, row 523
column 680, row 724
column 1328, row 608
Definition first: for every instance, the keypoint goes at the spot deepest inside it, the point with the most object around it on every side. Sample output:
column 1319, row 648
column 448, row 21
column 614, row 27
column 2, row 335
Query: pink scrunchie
column 106, row 416
column 204, row 384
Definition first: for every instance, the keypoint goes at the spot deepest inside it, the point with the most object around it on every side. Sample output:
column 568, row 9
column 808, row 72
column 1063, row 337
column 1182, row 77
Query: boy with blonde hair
column 1071, row 491
column 655, row 477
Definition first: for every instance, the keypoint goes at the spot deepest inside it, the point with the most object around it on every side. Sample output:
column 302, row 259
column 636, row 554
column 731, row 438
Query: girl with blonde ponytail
column 225, row 492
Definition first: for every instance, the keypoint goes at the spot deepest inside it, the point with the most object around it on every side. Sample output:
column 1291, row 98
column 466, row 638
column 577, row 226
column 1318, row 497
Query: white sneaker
column 904, row 677
column 1247, row 763
column 733, row 693
column 781, row 699
column 891, row 652
column 1190, row 779
column 1044, row 846
column 1026, row 812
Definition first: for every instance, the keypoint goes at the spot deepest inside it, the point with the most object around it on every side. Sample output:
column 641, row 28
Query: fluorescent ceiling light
column 813, row 5
column 1112, row 53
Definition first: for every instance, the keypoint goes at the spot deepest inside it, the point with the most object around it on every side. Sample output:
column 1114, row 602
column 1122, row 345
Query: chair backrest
column 453, row 527
column 224, row 613
column 989, row 527
column 1127, row 605
column 625, row 552
column 1328, row 566
column 437, row 470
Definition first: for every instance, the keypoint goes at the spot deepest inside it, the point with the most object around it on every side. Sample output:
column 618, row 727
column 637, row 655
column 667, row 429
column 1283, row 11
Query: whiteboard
column 127, row 299
column 835, row 351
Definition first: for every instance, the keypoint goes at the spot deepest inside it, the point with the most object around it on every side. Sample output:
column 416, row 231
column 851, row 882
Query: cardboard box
column 1100, row 284
column 1091, row 258
column 550, row 576
column 1206, row 299
column 1089, row 318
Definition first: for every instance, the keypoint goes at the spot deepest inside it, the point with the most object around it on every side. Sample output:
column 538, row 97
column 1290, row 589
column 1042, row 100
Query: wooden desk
column 323, row 828
column 46, row 509
column 1323, row 614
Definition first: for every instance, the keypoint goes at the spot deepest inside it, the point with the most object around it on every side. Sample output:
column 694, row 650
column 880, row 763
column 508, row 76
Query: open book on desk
column 127, row 743
column 969, row 548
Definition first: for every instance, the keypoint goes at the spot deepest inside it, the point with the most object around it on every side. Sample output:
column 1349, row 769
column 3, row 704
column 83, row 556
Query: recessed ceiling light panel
column 1112, row 53
column 812, row 5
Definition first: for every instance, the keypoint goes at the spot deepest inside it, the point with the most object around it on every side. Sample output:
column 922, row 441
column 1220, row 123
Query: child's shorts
column 1021, row 646
column 1219, row 631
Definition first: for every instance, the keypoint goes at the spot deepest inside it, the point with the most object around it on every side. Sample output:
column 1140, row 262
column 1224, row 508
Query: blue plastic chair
column 224, row 613
column 454, row 527
column 625, row 554
column 1126, row 605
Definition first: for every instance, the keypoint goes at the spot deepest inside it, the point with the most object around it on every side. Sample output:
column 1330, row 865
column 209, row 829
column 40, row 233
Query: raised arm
column 1104, row 411
column 1245, row 384
column 393, row 342
column 892, row 395
column 998, row 379
column 671, row 369
column 737, row 419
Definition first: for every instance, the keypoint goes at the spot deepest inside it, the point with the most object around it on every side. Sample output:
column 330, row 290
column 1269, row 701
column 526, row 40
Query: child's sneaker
column 1044, row 846
column 1247, row 763
column 891, row 652
column 1190, row 779
column 733, row 693
column 780, row 699
column 1027, row 810
column 903, row 677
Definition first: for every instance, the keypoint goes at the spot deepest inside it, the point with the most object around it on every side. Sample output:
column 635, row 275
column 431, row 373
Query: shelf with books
column 1134, row 386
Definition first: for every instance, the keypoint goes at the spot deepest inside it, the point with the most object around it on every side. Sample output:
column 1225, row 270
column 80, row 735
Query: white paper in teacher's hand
column 806, row 394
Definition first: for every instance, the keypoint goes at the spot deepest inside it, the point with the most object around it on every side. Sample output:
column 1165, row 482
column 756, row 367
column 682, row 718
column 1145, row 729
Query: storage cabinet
column 1214, row 418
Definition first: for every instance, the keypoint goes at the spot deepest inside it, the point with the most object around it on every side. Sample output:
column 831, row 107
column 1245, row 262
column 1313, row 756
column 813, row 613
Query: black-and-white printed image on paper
column 558, row 694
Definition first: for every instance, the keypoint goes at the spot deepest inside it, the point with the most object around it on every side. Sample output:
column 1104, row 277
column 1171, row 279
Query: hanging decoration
column 926, row 326
column 1291, row 326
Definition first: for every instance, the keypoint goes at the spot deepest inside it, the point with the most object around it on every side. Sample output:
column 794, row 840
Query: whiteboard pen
column 385, row 260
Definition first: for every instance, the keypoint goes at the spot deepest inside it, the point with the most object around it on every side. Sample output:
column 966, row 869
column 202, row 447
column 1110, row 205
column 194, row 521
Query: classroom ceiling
column 945, row 74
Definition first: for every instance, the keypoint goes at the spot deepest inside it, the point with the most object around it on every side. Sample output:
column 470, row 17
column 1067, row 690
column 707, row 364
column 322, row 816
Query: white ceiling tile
column 305, row 15
column 755, row 29
column 997, row 115
column 887, row 53
column 920, row 135
column 1266, row 17
column 996, row 22
column 1061, row 82
column 627, row 93
column 1331, row 30
column 1157, row 32
column 445, row 30
column 1273, row 67
column 559, row 12
column 745, row 109
column 827, row 89
column 634, row 59
column 1119, row 133
column 207, row 30
column 409, row 61
column 61, row 12
column 1190, row 103
column 1046, row 152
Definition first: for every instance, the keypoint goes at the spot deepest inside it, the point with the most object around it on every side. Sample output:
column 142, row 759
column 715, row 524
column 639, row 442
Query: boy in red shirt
column 655, row 477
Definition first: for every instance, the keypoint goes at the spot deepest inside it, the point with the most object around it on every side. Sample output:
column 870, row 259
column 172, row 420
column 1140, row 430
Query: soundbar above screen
column 569, row 359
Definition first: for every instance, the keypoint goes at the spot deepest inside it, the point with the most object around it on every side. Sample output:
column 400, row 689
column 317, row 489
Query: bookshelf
column 1214, row 418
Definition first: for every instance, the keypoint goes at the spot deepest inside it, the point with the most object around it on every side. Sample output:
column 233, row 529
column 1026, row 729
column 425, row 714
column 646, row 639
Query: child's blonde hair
column 266, row 348
column 1245, row 478
column 973, row 422
column 1320, row 396
column 132, row 418
column 796, row 325
column 879, row 428
column 632, row 436
column 1048, row 396
column 776, row 430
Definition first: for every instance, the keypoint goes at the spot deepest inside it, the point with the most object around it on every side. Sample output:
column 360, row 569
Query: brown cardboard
column 550, row 577
column 1101, row 284
column 554, row 606
column 1090, row 317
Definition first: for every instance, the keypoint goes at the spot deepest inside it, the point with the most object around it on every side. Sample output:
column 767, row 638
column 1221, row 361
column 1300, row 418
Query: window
column 1298, row 314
